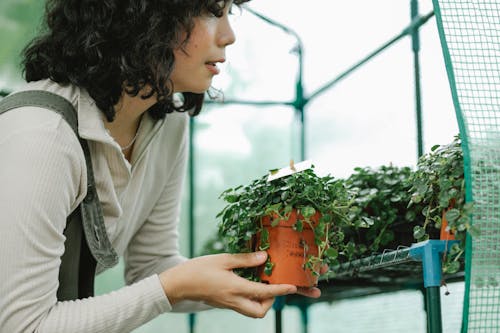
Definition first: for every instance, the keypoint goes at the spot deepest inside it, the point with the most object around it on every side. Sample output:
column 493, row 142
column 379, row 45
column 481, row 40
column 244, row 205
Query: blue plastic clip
column 429, row 252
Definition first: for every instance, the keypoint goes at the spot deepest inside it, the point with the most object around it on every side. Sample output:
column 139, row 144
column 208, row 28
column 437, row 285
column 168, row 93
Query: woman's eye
column 217, row 8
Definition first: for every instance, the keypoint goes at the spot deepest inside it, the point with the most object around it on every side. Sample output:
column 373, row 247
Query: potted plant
column 298, row 219
column 380, row 216
column 438, row 184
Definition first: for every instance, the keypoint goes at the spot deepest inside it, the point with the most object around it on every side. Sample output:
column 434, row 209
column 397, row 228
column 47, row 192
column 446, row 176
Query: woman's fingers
column 241, row 260
column 259, row 291
column 251, row 299
column 255, row 308
column 258, row 258
column 211, row 279
column 312, row 292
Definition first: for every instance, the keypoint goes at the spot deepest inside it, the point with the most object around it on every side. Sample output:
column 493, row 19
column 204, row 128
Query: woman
column 119, row 63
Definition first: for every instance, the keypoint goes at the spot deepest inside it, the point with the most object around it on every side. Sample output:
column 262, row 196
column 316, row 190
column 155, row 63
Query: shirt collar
column 90, row 119
column 91, row 125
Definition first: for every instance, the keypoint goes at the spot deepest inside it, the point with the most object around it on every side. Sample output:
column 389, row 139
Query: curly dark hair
column 100, row 45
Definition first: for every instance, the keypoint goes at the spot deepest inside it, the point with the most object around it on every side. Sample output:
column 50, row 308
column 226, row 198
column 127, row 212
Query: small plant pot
column 289, row 251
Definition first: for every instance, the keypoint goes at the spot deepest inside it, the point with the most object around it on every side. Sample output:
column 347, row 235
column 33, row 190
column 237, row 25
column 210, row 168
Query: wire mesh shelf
column 388, row 258
column 390, row 271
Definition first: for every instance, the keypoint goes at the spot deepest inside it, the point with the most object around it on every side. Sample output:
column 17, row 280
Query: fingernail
column 261, row 255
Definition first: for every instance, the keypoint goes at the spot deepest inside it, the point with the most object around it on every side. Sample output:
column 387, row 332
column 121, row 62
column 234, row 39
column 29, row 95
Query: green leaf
column 452, row 215
column 308, row 211
column 395, row 198
column 418, row 232
column 416, row 198
column 264, row 240
column 331, row 253
column 284, row 196
column 231, row 198
column 326, row 219
column 426, row 210
column 455, row 249
column 452, row 267
column 268, row 268
column 444, row 201
column 367, row 221
column 463, row 220
column 462, row 226
column 298, row 226
column 271, row 209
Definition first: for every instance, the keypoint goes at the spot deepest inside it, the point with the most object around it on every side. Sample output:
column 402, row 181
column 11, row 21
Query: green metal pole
column 278, row 305
column 191, row 316
column 304, row 316
column 433, row 306
column 300, row 102
column 302, row 134
column 415, row 25
column 415, row 39
column 278, row 320
column 423, row 290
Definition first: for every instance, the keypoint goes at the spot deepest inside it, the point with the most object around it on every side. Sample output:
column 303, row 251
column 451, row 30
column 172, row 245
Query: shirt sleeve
column 42, row 175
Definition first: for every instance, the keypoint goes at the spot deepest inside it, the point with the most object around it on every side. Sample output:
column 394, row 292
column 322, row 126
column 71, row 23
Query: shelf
column 390, row 271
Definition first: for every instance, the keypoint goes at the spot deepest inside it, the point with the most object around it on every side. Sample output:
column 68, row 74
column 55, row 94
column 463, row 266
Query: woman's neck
column 123, row 128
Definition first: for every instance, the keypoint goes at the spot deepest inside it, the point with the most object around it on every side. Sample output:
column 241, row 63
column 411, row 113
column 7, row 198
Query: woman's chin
column 198, row 88
column 195, row 90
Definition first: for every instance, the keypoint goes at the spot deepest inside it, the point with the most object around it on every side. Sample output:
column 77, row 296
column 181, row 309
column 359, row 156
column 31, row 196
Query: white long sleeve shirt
column 43, row 179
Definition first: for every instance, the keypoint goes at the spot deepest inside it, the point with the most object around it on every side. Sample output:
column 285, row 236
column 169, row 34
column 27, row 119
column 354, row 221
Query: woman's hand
column 313, row 292
column 211, row 279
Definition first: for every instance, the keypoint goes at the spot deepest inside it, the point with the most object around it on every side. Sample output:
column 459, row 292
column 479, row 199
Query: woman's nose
column 227, row 36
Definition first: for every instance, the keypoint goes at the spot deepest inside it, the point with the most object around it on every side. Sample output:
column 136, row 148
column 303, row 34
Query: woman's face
column 196, row 63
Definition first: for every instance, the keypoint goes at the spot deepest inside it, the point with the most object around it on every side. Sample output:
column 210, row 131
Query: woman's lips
column 212, row 67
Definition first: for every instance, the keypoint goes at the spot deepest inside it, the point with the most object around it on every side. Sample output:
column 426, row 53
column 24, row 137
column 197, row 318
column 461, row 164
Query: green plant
column 379, row 215
column 439, row 185
column 241, row 218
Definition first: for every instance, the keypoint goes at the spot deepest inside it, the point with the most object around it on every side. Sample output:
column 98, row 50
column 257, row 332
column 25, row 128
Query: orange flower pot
column 445, row 234
column 289, row 250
